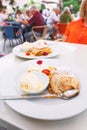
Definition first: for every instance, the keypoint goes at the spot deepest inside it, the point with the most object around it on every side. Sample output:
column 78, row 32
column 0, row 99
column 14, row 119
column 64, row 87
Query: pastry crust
column 40, row 51
column 62, row 83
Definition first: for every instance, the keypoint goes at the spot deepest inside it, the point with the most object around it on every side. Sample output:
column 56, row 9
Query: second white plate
column 17, row 51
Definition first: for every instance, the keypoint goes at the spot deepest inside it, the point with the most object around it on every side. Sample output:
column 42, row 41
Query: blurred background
column 13, row 5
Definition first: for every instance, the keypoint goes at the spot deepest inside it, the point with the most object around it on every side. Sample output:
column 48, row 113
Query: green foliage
column 75, row 3
column 26, row 5
column 30, row 3
column 12, row 2
column 42, row 7
column 15, row 8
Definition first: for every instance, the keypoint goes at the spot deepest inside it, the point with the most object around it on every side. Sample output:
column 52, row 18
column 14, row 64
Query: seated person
column 65, row 16
column 54, row 17
column 27, row 15
column 36, row 20
column 51, row 20
column 46, row 14
column 19, row 16
column 26, row 27
column 76, row 31
column 3, row 16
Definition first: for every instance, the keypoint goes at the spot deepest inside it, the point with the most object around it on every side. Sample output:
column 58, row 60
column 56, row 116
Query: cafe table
column 74, row 55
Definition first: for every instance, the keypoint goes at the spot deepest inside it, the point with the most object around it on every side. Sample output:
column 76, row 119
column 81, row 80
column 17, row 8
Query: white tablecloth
column 73, row 55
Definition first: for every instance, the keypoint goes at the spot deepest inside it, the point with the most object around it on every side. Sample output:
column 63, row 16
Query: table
column 72, row 54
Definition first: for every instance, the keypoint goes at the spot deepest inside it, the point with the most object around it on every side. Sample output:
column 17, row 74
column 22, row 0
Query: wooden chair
column 44, row 32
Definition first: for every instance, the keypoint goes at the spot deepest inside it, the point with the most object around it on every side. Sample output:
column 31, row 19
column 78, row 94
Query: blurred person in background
column 66, row 16
column 71, row 8
column 25, row 24
column 3, row 16
column 76, row 31
column 46, row 14
column 54, row 17
column 28, row 14
column 19, row 16
column 36, row 20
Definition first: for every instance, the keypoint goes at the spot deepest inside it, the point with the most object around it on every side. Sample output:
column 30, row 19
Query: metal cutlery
column 66, row 95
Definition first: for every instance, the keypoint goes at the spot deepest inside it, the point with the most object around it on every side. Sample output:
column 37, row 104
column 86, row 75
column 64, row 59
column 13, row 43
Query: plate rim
column 51, row 117
column 34, row 57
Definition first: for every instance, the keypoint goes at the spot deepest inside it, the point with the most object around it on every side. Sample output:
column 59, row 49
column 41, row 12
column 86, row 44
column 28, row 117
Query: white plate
column 46, row 109
column 17, row 51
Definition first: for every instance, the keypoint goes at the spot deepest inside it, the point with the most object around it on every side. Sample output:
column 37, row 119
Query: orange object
column 27, row 53
column 46, row 71
column 76, row 32
column 61, row 27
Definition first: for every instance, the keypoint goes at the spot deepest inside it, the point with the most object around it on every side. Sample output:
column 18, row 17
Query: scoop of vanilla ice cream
column 30, row 82
column 41, row 44
column 25, row 46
